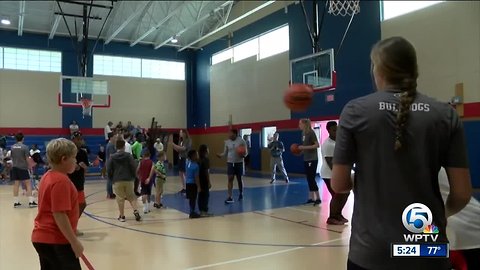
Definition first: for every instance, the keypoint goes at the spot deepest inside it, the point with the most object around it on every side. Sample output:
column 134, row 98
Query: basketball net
column 344, row 7
column 86, row 107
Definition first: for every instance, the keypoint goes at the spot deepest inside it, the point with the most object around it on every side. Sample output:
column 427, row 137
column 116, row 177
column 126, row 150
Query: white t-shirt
column 158, row 146
column 328, row 147
column 107, row 130
column 128, row 148
column 463, row 228
column 73, row 128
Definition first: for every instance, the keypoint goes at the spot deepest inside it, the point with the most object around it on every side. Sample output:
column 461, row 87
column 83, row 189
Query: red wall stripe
column 471, row 110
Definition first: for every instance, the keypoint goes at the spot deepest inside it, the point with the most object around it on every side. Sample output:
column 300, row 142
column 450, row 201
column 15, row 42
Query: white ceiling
column 137, row 22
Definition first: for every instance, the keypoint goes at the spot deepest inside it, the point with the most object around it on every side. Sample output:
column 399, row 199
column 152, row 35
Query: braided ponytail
column 395, row 60
column 409, row 92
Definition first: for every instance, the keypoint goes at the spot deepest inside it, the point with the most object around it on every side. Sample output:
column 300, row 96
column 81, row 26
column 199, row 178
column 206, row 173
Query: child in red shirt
column 143, row 174
column 54, row 229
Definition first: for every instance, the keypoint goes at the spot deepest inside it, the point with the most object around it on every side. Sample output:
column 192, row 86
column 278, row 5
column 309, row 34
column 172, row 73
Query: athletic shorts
column 146, row 188
column 182, row 164
column 235, row 168
column 81, row 197
column 19, row 174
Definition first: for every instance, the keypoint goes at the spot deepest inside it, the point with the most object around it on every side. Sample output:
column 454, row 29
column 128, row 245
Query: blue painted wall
column 352, row 61
column 71, row 68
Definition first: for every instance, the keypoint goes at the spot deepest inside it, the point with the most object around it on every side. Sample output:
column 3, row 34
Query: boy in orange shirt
column 54, row 229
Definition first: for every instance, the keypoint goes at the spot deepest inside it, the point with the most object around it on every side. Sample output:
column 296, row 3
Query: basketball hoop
column 344, row 7
column 86, row 107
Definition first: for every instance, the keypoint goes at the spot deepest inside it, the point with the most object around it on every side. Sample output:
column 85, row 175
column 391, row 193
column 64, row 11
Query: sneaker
column 137, row 215
column 79, row 233
column 183, row 191
column 121, row 218
column 32, row 204
column 158, row 206
column 317, row 202
column 229, row 200
column 240, row 197
column 205, row 214
column 342, row 218
column 272, row 181
column 309, row 201
column 17, row 204
column 287, row 181
column 194, row 215
column 334, row 221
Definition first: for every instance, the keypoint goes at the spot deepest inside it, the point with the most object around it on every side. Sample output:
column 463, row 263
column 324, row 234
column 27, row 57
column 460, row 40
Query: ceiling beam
column 85, row 4
column 198, row 21
column 128, row 20
column 241, row 17
column 21, row 17
column 55, row 24
column 164, row 20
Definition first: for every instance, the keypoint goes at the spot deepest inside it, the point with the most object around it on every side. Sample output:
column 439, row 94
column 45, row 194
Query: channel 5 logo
column 418, row 219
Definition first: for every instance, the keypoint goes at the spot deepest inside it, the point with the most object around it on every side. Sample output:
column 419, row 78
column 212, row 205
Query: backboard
column 317, row 70
column 73, row 89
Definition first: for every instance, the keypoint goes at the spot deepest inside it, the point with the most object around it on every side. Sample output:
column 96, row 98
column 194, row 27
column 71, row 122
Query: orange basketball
column 96, row 162
column 298, row 97
column 241, row 150
column 294, row 149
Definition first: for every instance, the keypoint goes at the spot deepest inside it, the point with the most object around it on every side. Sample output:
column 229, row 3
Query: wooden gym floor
column 269, row 229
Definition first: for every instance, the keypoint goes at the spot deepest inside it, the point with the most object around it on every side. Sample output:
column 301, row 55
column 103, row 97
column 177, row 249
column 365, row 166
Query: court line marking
column 261, row 255
column 305, row 211
column 297, row 222
column 207, row 240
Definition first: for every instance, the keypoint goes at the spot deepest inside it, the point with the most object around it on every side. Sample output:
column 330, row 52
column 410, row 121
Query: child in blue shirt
column 192, row 181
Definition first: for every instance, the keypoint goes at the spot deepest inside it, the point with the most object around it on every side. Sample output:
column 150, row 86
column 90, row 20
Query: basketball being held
column 295, row 150
column 298, row 97
column 241, row 150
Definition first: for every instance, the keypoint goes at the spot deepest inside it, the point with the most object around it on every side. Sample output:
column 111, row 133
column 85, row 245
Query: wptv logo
column 418, row 219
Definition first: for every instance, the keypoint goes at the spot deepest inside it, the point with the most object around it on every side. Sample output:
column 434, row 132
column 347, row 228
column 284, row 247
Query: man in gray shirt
column 235, row 163
column 20, row 155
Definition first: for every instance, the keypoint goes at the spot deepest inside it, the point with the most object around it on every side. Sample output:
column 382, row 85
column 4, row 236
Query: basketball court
column 269, row 229
column 272, row 227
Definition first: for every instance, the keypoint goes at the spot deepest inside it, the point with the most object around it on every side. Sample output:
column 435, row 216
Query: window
column 263, row 46
column 117, row 66
column 391, row 9
column 163, row 69
column 137, row 67
column 267, row 132
column 35, row 60
column 274, row 42
column 222, row 56
column 245, row 50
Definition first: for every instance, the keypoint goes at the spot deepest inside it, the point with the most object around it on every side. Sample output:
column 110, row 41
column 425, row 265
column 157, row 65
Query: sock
column 31, row 199
column 15, row 199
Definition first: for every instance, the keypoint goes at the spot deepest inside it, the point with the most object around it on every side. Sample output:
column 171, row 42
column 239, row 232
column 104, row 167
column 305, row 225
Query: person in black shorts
column 398, row 140
column 19, row 172
column 235, row 163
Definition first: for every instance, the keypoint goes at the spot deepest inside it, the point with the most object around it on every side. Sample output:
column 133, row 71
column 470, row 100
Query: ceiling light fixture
column 174, row 40
column 5, row 21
